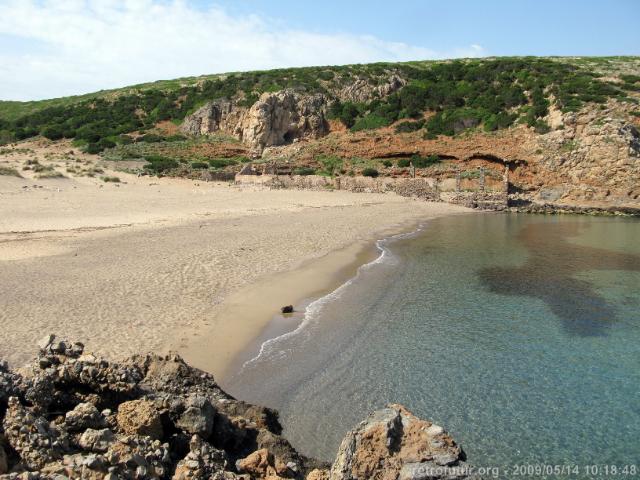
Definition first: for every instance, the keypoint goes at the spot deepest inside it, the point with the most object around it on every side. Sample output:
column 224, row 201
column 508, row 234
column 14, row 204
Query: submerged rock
column 72, row 415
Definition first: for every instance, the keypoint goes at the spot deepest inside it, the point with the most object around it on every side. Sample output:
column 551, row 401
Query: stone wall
column 471, row 193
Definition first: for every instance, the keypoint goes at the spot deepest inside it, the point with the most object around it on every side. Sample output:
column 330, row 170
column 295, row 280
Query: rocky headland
column 71, row 415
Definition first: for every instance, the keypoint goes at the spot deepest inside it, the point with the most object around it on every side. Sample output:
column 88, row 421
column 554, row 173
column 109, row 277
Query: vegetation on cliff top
column 460, row 94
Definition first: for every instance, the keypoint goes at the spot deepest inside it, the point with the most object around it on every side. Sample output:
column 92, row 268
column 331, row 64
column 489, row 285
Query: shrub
column 370, row 172
column 105, row 143
column 199, row 165
column 110, row 179
column 53, row 132
column 370, row 122
column 387, row 163
column 175, row 138
column 93, row 148
column 304, row 171
column 424, row 162
column 222, row 162
column 406, row 127
column 150, row 138
column 330, row 163
column 8, row 171
column 404, row 162
column 159, row 164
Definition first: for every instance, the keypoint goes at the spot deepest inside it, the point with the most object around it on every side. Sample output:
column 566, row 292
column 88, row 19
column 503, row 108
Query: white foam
column 270, row 348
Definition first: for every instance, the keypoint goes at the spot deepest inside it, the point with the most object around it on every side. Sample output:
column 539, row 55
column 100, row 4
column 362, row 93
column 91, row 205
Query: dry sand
column 157, row 264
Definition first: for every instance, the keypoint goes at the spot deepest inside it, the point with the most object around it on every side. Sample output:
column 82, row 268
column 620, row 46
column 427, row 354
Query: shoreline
column 251, row 316
column 140, row 267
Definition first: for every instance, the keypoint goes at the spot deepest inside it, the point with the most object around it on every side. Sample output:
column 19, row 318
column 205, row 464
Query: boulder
column 36, row 441
column 197, row 417
column 393, row 443
column 96, row 440
column 139, row 417
column 287, row 309
column 263, row 464
column 203, row 462
column 318, row 474
column 83, row 416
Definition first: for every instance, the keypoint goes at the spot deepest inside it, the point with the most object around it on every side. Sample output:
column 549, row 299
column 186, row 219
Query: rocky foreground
column 71, row 415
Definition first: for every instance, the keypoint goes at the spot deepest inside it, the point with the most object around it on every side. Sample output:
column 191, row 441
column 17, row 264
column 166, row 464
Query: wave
column 273, row 347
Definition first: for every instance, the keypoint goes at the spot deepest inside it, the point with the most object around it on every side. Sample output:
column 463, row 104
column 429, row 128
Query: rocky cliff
column 275, row 119
column 70, row 415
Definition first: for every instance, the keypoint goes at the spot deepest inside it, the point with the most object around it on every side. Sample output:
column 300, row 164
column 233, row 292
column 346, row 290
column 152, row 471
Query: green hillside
column 490, row 93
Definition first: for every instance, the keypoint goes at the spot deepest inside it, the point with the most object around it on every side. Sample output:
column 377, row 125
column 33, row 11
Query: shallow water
column 518, row 333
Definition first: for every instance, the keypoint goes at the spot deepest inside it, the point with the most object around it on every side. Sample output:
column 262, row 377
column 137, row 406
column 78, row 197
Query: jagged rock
column 362, row 90
column 212, row 117
column 139, row 417
column 32, row 436
column 318, row 474
column 201, row 463
column 263, row 464
column 149, row 391
column 96, row 440
column 287, row 309
column 275, row 119
column 9, row 384
column 280, row 117
column 198, row 416
column 393, row 442
column 83, row 416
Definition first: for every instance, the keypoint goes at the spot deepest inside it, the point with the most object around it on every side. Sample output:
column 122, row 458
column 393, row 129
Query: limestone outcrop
column 394, row 443
column 71, row 415
column 275, row 119
column 362, row 90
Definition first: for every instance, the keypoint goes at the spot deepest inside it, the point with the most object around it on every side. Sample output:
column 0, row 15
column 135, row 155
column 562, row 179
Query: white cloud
column 79, row 46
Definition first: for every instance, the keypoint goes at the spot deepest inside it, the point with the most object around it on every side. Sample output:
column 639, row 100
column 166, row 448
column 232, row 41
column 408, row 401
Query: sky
column 53, row 48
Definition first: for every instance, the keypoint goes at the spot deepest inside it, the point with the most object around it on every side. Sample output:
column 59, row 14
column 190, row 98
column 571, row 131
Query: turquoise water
column 520, row 334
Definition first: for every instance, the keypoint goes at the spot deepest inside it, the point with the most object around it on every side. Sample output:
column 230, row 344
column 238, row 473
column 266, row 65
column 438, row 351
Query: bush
column 150, row 138
column 106, row 143
column 330, row 163
column 406, row 127
column 53, row 133
column 370, row 122
column 424, row 162
column 404, row 163
column 93, row 148
column 304, row 171
column 110, row 179
column 199, row 165
column 159, row 164
column 387, row 163
column 370, row 172
column 222, row 162
column 12, row 172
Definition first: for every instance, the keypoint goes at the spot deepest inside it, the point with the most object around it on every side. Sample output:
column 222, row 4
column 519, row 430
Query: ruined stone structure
column 473, row 193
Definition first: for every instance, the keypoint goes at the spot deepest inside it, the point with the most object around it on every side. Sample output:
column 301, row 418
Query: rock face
column 593, row 157
column 363, row 90
column 71, row 415
column 275, row 119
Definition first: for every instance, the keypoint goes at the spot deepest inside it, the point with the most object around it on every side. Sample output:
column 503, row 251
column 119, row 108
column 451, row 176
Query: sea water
column 520, row 334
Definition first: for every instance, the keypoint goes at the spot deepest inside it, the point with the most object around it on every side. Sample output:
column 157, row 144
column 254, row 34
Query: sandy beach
column 158, row 264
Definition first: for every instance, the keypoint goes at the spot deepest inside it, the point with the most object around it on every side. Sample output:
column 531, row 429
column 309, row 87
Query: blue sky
column 502, row 27
column 52, row 48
